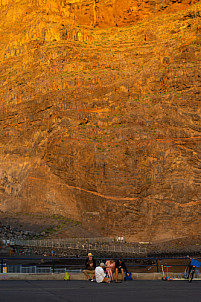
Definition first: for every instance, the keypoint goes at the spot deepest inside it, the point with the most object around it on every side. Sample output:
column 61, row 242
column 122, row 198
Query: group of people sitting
column 105, row 272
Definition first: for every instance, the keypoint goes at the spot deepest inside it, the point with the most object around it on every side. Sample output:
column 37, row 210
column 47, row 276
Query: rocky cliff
column 100, row 114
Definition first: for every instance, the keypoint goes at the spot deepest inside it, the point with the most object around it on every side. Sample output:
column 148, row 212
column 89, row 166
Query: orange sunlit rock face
column 100, row 114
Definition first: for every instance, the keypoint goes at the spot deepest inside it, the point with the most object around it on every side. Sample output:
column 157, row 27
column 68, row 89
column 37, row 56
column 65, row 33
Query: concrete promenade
column 74, row 276
column 77, row 277
column 85, row 291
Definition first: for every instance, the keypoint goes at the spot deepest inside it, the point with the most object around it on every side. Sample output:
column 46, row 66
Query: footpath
column 79, row 276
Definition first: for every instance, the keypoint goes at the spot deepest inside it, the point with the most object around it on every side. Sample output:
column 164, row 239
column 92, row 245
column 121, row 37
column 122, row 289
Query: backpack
column 67, row 276
column 129, row 277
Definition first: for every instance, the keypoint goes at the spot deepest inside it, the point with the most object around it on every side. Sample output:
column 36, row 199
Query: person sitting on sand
column 90, row 265
column 110, row 267
column 100, row 275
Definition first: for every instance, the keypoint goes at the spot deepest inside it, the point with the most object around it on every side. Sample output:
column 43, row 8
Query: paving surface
column 55, row 291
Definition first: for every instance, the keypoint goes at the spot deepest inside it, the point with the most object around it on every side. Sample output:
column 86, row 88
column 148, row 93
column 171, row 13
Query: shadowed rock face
column 102, row 124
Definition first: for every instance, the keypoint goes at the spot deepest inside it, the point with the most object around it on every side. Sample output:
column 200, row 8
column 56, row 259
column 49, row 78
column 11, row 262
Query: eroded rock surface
column 102, row 124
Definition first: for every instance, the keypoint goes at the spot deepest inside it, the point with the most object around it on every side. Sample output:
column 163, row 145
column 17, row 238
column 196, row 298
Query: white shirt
column 99, row 274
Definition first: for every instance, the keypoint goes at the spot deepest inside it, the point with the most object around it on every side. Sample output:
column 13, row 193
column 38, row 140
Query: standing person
column 90, row 265
column 120, row 267
column 110, row 267
column 100, row 275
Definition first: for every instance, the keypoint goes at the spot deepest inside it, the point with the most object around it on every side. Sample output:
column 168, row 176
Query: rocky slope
column 100, row 116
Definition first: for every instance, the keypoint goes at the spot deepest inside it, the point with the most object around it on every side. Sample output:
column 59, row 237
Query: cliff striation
column 100, row 114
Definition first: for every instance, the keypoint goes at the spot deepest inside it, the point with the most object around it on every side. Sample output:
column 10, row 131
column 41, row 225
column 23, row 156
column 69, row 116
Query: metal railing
column 19, row 269
column 92, row 244
column 62, row 242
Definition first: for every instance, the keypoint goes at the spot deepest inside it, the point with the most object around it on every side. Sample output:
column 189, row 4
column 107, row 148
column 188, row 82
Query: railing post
column 1, row 266
column 53, row 265
column 157, row 265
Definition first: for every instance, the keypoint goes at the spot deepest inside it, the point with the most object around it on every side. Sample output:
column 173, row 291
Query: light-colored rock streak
column 189, row 204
